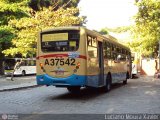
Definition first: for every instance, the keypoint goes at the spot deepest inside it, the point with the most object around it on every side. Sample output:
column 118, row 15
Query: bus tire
column 74, row 89
column 23, row 73
column 125, row 82
column 108, row 85
column 127, row 77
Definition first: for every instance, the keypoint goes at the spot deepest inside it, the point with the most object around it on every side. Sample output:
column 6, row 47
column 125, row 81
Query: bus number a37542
column 60, row 61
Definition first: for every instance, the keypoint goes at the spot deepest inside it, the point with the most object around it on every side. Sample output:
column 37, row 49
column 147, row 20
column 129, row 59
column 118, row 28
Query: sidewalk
column 19, row 82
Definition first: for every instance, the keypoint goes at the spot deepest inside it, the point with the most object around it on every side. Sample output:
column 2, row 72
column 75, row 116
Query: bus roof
column 108, row 38
column 62, row 28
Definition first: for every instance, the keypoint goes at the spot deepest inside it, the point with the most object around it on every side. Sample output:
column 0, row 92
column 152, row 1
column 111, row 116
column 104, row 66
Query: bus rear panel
column 61, row 58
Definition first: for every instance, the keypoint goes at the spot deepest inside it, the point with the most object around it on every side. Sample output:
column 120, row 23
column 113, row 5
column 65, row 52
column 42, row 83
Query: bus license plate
column 60, row 73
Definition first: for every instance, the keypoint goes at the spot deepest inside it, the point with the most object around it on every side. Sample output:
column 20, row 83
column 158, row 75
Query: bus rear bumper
column 73, row 80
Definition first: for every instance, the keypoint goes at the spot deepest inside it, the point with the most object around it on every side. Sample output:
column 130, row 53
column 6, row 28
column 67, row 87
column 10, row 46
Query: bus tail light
column 78, row 64
column 77, row 67
column 41, row 65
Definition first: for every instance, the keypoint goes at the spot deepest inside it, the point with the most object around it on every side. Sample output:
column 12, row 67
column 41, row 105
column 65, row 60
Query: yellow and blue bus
column 75, row 57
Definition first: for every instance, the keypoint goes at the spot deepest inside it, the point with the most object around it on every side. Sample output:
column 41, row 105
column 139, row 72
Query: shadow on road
column 85, row 93
column 21, row 75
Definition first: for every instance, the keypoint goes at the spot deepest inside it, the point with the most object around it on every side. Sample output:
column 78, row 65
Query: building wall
column 149, row 66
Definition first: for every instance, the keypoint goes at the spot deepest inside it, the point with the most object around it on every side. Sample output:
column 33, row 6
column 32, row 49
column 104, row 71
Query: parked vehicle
column 19, row 66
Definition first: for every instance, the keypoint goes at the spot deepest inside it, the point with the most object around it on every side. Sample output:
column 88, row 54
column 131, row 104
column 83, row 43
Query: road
column 140, row 95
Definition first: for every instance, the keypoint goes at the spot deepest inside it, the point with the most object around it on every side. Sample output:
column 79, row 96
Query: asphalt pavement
column 139, row 96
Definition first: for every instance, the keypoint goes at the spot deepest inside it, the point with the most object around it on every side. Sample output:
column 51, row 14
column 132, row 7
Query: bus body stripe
column 59, row 55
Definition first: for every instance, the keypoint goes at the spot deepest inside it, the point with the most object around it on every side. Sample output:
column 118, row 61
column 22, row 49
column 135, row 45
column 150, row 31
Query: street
column 140, row 95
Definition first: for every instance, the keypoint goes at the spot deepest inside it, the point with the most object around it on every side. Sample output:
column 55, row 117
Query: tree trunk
column 1, row 67
column 1, row 64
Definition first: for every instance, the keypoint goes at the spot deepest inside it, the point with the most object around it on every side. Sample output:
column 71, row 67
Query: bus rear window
column 56, row 41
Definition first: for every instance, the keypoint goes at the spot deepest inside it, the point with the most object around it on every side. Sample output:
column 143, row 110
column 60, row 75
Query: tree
column 9, row 9
column 20, row 24
column 28, row 27
column 146, row 32
column 104, row 31
column 38, row 5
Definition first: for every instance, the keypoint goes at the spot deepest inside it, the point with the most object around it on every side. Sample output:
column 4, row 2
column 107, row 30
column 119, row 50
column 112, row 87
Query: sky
column 107, row 13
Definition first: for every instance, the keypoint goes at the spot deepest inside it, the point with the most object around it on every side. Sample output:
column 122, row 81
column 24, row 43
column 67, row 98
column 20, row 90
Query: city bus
column 19, row 66
column 75, row 57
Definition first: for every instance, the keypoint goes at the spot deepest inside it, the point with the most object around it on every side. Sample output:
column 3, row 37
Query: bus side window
column 25, row 63
column 92, row 46
column 32, row 62
column 113, row 52
column 117, row 49
column 94, row 42
column 22, row 63
column 92, row 52
column 89, row 40
column 123, row 58
column 105, row 50
column 108, row 51
column 114, row 56
column 28, row 63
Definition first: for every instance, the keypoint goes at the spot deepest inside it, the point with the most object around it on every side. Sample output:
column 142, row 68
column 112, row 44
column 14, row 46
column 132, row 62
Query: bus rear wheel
column 108, row 85
column 74, row 89
column 125, row 82
column 127, row 77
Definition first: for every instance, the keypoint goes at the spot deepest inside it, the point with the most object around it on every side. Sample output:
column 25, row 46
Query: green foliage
column 38, row 5
column 120, row 29
column 115, row 30
column 104, row 31
column 9, row 11
column 146, row 32
column 6, row 34
column 28, row 27
column 19, row 23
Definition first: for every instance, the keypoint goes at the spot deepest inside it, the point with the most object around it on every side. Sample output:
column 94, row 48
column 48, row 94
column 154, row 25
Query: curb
column 2, row 76
column 19, row 88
